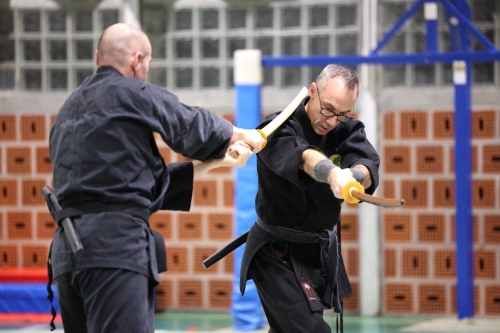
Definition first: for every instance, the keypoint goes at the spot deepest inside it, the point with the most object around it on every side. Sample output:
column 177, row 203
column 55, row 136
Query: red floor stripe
column 16, row 275
column 27, row 318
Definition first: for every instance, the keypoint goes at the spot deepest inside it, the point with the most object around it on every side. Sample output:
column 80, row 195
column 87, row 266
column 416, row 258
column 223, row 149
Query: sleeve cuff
column 180, row 188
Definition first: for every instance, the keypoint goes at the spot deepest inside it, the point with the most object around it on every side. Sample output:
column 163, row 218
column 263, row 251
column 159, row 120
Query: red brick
column 220, row 294
column 35, row 255
column 9, row 256
column 46, row 226
column 444, row 263
column 8, row 192
column 32, row 192
column 415, row 263
column 33, row 128
column 390, row 262
column 397, row 228
column 19, row 160
column 353, row 262
column 190, row 294
column 205, row 193
column 349, row 227
column 492, row 302
column 413, row 125
column 229, row 193
column 483, row 124
column 389, row 189
column 177, row 260
column 397, row 159
column 220, row 226
column 444, row 193
column 491, row 159
column 484, row 193
column 43, row 163
column 432, row 299
column 200, row 254
column 398, row 298
column 431, row 228
column 492, row 229
column 414, row 192
column 351, row 303
column 8, row 130
column 163, row 295
column 19, row 225
column 443, row 125
column 485, row 264
column 190, row 226
column 389, row 125
column 162, row 222
column 430, row 159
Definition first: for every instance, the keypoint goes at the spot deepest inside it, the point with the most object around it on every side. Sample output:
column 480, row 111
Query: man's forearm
column 310, row 158
column 200, row 168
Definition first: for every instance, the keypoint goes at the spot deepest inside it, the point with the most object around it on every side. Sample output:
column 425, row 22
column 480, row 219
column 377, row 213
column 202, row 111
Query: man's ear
column 312, row 88
column 136, row 61
column 96, row 58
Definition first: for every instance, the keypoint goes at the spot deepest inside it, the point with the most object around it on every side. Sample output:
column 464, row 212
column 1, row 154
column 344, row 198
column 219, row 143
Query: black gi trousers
column 106, row 300
column 290, row 306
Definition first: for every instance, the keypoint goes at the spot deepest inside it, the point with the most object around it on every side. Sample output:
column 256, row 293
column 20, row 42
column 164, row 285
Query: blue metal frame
column 382, row 59
column 399, row 23
column 459, row 33
column 463, row 199
column 466, row 21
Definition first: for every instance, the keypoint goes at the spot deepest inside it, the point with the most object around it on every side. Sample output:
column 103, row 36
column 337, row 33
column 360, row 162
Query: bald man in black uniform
column 109, row 174
column 292, row 251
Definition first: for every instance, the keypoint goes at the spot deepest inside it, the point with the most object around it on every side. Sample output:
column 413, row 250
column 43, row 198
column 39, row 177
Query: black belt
column 98, row 207
column 140, row 212
column 329, row 253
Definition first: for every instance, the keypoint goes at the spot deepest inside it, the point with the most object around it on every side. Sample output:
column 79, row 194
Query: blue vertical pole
column 463, row 190
column 431, row 16
column 246, row 310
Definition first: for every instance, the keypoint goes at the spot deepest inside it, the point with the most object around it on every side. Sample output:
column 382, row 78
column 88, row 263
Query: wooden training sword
column 353, row 192
column 280, row 119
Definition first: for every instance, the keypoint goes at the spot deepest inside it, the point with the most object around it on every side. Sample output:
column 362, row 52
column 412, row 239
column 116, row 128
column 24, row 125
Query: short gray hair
column 349, row 75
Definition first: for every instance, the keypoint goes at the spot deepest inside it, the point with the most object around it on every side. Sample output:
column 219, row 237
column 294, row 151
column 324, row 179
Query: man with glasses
column 292, row 251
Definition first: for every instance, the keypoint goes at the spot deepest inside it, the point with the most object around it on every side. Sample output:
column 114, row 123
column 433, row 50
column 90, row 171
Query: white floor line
column 453, row 325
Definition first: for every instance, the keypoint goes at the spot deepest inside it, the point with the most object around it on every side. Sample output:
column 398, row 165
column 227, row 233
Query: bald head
column 123, row 47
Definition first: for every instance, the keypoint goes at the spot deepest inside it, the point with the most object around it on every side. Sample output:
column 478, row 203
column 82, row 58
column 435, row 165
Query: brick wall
column 419, row 240
column 26, row 227
column 192, row 237
column 417, row 152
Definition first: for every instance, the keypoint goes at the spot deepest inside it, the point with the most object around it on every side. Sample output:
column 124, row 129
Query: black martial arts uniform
column 106, row 164
column 292, row 267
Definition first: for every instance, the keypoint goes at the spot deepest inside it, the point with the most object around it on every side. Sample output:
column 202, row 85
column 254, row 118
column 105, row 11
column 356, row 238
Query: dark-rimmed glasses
column 328, row 113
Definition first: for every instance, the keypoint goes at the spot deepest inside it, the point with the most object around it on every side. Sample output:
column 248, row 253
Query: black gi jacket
column 287, row 196
column 103, row 150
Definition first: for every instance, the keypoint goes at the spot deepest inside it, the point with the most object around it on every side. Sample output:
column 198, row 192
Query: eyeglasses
column 328, row 113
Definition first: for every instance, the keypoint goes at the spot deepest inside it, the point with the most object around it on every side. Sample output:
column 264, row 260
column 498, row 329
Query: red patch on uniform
column 309, row 291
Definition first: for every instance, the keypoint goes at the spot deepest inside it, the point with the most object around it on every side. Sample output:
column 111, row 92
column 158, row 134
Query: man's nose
column 332, row 121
